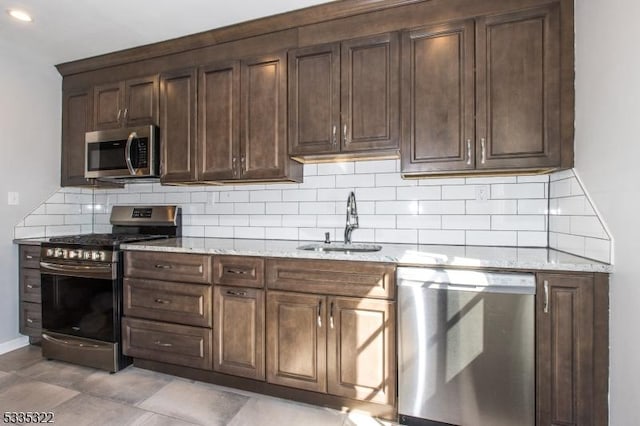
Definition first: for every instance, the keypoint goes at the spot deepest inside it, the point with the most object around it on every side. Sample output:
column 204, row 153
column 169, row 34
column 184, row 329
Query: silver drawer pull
column 236, row 271
column 164, row 345
column 546, row 297
column 28, row 257
column 29, row 286
column 29, row 320
column 162, row 301
column 160, row 266
column 236, row 293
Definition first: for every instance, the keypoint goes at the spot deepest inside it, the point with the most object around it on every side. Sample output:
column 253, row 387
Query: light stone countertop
column 401, row 254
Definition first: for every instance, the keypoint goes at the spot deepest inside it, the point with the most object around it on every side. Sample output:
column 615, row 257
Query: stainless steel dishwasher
column 466, row 347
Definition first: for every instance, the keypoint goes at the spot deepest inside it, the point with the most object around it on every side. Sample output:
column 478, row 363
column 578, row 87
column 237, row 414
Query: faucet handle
column 327, row 238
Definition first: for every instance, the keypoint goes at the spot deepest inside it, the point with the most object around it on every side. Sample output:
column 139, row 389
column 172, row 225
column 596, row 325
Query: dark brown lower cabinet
column 238, row 332
column 336, row 345
column 30, row 299
column 572, row 349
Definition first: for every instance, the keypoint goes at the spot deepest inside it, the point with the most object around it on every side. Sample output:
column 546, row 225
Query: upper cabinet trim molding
column 280, row 22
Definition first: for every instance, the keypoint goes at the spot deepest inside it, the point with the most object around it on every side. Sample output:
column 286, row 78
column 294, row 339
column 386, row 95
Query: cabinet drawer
column 165, row 301
column 170, row 343
column 360, row 279
column 29, row 256
column 30, row 319
column 238, row 271
column 30, row 285
column 193, row 268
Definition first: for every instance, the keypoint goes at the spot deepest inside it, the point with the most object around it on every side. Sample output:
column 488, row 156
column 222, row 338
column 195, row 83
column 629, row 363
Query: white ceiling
column 66, row 30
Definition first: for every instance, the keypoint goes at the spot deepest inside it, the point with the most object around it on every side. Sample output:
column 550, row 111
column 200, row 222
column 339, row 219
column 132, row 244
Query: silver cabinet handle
column 335, row 139
column 234, row 169
column 236, row 293
column 319, row 314
column 126, row 111
column 30, row 286
column 164, row 345
column 29, row 320
column 331, row 315
column 28, row 257
column 344, row 134
column 127, row 149
column 483, row 148
column 468, row 152
column 546, row 297
column 162, row 301
column 242, row 164
column 235, row 271
column 119, row 115
column 160, row 266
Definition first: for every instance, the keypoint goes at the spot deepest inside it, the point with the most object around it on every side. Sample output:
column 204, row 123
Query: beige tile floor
column 84, row 396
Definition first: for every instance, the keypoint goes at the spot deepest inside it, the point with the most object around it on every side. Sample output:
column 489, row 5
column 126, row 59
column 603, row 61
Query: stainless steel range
column 82, row 286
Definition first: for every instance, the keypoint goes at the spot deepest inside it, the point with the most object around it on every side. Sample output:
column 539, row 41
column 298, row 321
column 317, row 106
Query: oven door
column 80, row 301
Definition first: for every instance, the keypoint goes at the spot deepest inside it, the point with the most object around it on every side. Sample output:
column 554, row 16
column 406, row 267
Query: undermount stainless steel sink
column 340, row 247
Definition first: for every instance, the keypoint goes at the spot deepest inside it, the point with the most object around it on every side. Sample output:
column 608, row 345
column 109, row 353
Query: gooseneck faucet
column 352, row 217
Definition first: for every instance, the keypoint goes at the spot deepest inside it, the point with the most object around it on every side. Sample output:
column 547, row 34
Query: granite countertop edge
column 400, row 254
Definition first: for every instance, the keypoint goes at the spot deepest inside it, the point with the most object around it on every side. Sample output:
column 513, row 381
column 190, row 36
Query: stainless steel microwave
column 122, row 153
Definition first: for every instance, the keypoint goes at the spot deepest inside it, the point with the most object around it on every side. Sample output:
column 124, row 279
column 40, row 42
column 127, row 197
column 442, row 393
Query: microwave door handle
column 132, row 136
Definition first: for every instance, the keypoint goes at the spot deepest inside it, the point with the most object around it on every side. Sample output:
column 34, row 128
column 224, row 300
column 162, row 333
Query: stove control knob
column 50, row 252
column 98, row 255
column 57, row 253
column 86, row 254
column 73, row 254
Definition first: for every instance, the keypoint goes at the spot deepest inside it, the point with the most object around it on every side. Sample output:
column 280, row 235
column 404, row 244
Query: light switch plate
column 13, row 198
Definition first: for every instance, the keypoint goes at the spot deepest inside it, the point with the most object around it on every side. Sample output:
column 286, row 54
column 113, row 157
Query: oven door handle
column 132, row 135
column 91, row 271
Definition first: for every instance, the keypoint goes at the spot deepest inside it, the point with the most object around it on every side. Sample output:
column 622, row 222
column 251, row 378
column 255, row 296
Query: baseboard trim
column 14, row 344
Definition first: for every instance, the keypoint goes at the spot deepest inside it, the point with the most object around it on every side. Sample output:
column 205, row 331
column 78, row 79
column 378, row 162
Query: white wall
column 30, row 104
column 608, row 159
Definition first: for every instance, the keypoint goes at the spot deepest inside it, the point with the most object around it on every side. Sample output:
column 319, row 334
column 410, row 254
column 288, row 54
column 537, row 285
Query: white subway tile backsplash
column 265, row 195
column 598, row 249
column 517, row 191
column 492, row 207
column 391, row 209
column 588, row 226
column 319, row 208
column 442, row 207
column 355, row 181
column 491, row 238
column 52, row 231
column 454, row 237
column 466, row 222
column 560, row 188
column 532, row 239
column 419, row 193
column 518, row 222
column 376, row 166
column 408, row 236
column 300, row 195
column 423, row 221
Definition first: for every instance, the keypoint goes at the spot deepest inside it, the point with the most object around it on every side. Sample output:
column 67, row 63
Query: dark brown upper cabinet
column 483, row 94
column 76, row 121
column 240, row 135
column 127, row 103
column 178, row 126
column 344, row 98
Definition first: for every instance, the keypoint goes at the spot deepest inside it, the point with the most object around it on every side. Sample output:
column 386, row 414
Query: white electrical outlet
column 482, row 192
column 13, row 198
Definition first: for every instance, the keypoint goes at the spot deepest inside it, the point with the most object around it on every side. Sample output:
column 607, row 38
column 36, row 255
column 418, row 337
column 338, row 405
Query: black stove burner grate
column 103, row 239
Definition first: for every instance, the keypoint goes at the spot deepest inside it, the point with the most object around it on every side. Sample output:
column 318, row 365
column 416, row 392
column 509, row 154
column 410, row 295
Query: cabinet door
column 370, row 93
column 239, row 332
column 361, row 350
column 564, row 349
column 438, row 98
column 314, row 100
column 178, row 126
column 76, row 121
column 141, row 101
column 219, row 124
column 518, row 89
column 296, row 340
column 107, row 106
column 263, row 144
